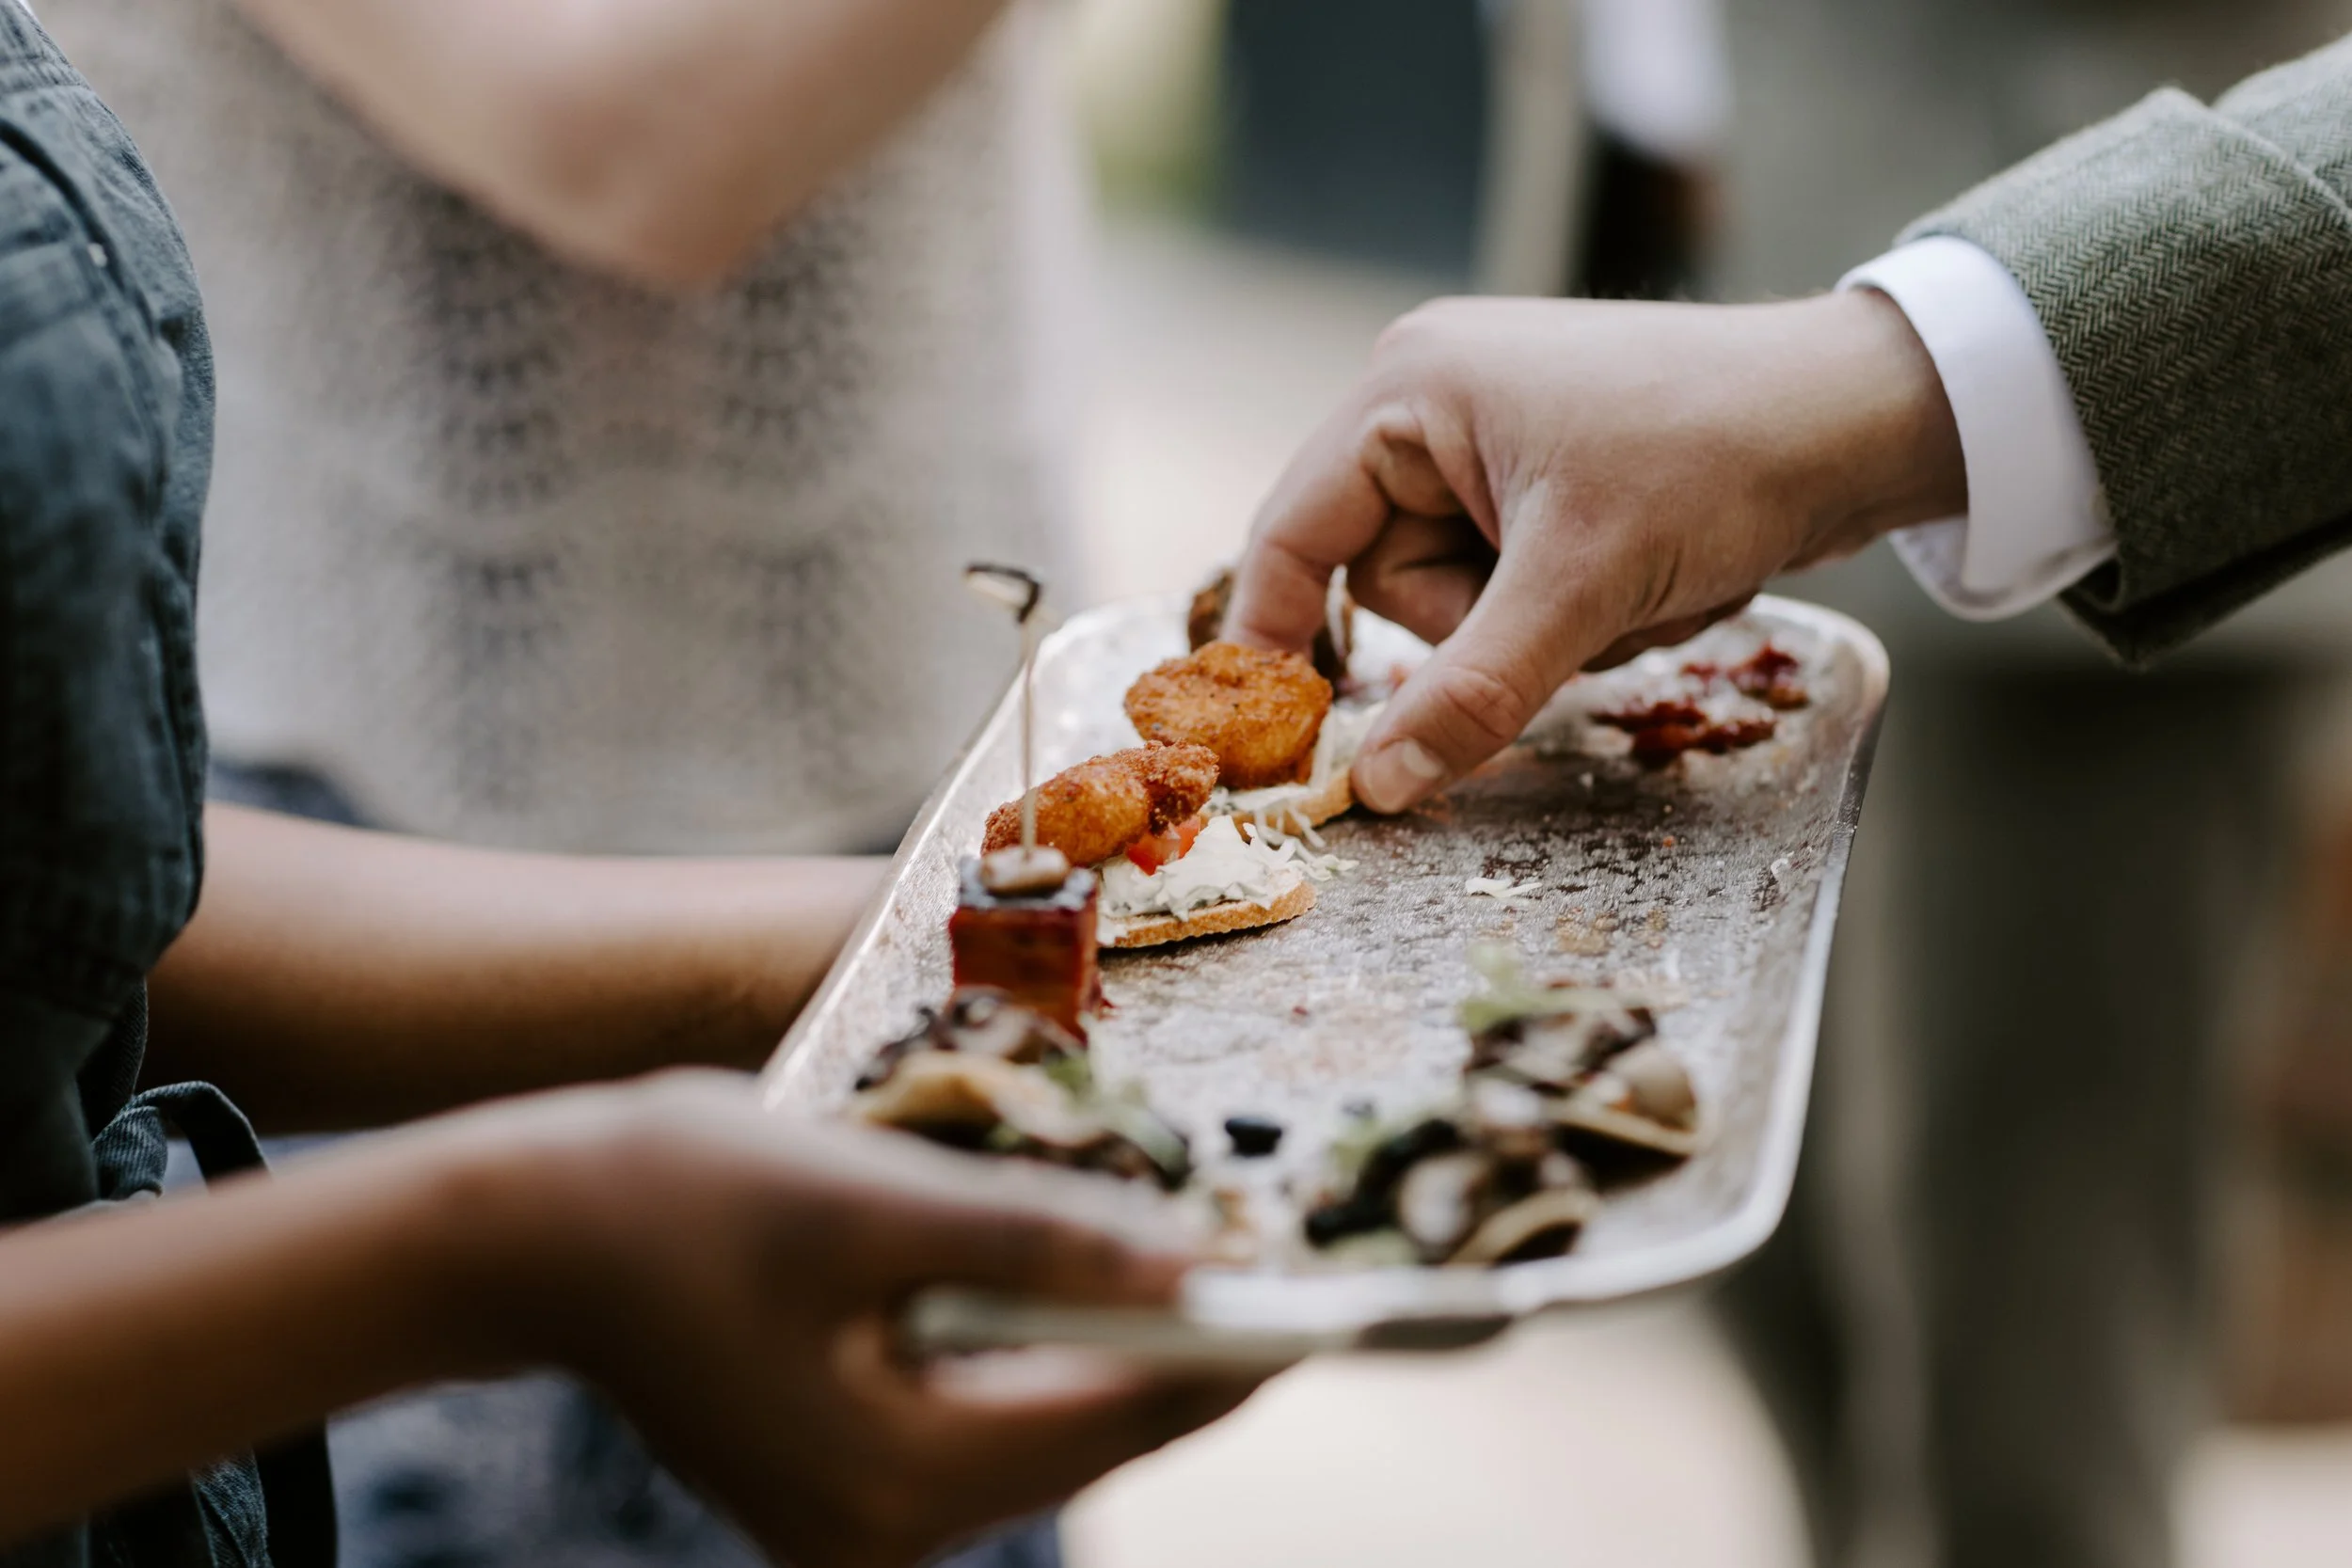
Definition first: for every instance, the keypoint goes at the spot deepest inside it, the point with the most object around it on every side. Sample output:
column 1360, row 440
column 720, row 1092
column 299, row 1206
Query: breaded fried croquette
column 1259, row 711
column 1095, row 810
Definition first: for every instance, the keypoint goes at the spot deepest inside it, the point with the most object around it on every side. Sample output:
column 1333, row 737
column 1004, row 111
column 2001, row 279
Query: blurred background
column 1279, row 177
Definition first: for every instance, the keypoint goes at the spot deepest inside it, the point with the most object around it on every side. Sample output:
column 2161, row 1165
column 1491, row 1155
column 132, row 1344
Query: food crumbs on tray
column 1578, row 937
column 1501, row 889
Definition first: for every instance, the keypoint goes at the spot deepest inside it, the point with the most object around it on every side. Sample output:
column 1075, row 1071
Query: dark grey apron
column 105, row 448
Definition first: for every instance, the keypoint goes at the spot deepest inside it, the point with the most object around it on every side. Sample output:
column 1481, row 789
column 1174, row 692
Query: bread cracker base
column 1334, row 799
column 1158, row 930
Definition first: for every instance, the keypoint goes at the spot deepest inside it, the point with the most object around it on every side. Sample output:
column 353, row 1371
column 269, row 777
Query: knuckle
column 1401, row 334
column 1660, row 588
column 1487, row 709
column 1283, row 550
column 1418, row 326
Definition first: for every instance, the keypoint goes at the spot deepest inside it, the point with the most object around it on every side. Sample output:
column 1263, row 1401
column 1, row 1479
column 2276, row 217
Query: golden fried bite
column 1095, row 810
column 1259, row 712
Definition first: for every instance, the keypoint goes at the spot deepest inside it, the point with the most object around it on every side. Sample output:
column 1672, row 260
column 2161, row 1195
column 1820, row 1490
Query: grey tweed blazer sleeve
column 2193, row 268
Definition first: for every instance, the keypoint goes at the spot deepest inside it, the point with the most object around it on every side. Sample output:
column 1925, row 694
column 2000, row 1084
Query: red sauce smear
column 1662, row 731
column 1769, row 676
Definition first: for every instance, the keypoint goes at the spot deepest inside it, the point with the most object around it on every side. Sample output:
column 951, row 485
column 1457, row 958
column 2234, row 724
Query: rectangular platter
column 1711, row 883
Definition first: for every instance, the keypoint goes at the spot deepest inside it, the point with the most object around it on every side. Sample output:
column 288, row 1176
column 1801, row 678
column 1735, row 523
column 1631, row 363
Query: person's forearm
column 136, row 1343
column 335, row 979
column 660, row 138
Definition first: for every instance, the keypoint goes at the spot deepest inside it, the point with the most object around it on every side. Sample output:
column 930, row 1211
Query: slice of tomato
column 1151, row 852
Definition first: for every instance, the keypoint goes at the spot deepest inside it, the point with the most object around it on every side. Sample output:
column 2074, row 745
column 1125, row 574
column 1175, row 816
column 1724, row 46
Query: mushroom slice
column 1549, row 1052
column 1603, row 1109
column 1143, row 1137
column 981, row 1020
column 1508, row 1119
column 1556, row 1051
column 986, row 1023
column 1657, row 1085
column 1368, row 1166
column 1542, row 1224
column 1437, row 1202
column 1513, row 1002
column 942, row 1092
column 1560, row 1169
column 921, row 1037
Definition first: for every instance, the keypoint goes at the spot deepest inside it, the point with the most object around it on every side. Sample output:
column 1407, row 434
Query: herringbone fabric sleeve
column 2193, row 268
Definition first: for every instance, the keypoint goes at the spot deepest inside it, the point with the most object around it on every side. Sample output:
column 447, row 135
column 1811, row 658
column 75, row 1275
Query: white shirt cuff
column 2037, row 520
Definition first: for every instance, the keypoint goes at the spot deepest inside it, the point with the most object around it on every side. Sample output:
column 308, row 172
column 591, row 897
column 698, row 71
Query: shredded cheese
column 1221, row 867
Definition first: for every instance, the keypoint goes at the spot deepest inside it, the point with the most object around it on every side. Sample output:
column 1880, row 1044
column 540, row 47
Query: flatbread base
column 1335, row 797
column 1325, row 801
column 1156, row 930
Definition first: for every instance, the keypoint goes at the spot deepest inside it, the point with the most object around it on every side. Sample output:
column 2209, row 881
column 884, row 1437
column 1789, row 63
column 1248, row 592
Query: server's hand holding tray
column 1655, row 851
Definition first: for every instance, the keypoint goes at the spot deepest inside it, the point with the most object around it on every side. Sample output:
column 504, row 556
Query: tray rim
column 1326, row 1310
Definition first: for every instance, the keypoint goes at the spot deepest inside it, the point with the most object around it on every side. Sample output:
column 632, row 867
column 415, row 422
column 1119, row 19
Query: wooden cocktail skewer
column 1027, row 868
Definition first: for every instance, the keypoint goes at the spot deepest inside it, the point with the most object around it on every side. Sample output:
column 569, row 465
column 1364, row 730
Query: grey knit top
column 515, row 553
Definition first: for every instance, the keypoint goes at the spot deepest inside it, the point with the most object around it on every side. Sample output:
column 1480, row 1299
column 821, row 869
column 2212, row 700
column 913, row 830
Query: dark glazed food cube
column 1254, row 1136
column 1037, row 948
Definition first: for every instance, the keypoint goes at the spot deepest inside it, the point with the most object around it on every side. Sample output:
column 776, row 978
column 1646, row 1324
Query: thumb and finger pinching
column 1328, row 508
column 1478, row 691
